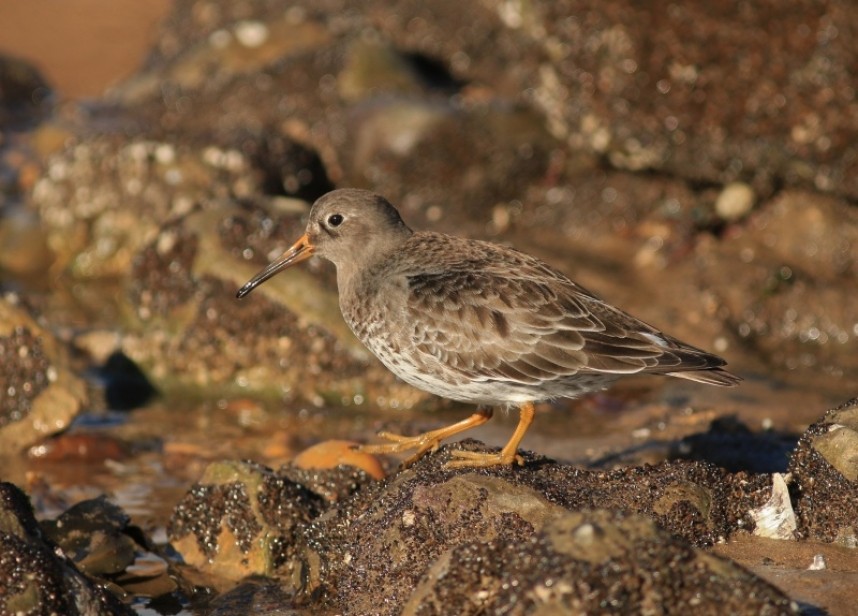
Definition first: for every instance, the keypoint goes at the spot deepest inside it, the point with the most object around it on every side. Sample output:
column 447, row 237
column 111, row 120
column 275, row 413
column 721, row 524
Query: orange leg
column 507, row 455
column 429, row 441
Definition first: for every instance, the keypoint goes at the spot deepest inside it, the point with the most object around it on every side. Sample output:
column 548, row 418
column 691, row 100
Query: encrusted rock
column 37, row 579
column 393, row 533
column 241, row 519
column 106, row 196
column 826, row 477
column 589, row 562
column 39, row 395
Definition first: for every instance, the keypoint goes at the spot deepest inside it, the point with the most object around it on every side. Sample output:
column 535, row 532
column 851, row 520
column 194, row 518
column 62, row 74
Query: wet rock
column 488, row 152
column 546, row 118
column 333, row 484
column 394, row 532
column 582, row 562
column 457, row 126
column 825, row 477
column 384, row 86
column 596, row 206
column 37, row 579
column 99, row 538
column 697, row 501
column 150, row 576
column 203, row 56
column 92, row 535
column 81, row 447
column 106, row 196
column 839, row 447
column 410, row 525
column 260, row 596
column 206, row 50
column 32, row 373
column 40, row 396
column 241, row 519
column 240, row 105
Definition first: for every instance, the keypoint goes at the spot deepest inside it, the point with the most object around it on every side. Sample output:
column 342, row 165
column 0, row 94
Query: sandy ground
column 81, row 46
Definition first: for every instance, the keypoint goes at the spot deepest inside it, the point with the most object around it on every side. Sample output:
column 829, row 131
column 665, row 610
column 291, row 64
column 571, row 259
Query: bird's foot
column 506, row 456
column 477, row 459
column 422, row 443
column 427, row 441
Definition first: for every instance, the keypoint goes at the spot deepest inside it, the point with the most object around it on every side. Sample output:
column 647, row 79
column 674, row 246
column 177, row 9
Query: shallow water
column 163, row 448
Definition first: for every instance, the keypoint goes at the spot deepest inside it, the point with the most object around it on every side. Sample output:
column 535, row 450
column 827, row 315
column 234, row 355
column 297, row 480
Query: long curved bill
column 297, row 252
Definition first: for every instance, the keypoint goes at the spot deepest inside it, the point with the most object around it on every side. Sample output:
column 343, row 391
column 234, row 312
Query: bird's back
column 479, row 322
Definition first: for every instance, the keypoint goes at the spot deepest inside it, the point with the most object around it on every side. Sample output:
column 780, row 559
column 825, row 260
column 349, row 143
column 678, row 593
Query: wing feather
column 498, row 314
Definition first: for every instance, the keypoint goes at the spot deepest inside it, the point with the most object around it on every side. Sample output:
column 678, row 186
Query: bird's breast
column 375, row 312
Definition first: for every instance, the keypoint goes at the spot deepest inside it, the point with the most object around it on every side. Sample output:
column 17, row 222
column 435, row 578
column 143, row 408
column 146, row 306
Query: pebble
column 735, row 201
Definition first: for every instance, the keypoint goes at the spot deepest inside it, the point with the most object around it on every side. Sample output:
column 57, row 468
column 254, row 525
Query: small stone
column 251, row 33
column 333, row 453
column 839, row 447
column 735, row 201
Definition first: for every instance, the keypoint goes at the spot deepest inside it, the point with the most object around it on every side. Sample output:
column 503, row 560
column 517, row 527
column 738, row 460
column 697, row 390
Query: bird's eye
column 335, row 220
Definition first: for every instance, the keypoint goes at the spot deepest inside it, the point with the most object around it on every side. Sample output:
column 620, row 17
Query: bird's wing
column 528, row 323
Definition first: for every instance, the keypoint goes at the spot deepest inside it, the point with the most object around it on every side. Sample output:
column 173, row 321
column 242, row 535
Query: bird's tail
column 710, row 376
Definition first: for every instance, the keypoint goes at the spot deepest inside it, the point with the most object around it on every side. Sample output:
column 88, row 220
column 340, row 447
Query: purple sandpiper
column 476, row 322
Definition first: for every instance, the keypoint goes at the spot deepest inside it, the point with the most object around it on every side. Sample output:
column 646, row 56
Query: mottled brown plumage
column 477, row 322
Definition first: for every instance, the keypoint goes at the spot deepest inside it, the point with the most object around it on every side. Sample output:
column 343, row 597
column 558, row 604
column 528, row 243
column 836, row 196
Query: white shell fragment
column 818, row 563
column 776, row 518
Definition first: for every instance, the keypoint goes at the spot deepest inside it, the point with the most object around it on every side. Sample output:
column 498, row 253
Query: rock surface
column 544, row 536
column 588, row 562
column 826, row 477
column 39, row 395
column 393, row 535
column 428, row 540
column 36, row 578
column 240, row 520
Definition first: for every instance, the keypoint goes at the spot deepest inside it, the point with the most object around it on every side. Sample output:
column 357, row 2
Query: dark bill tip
column 299, row 251
column 246, row 289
